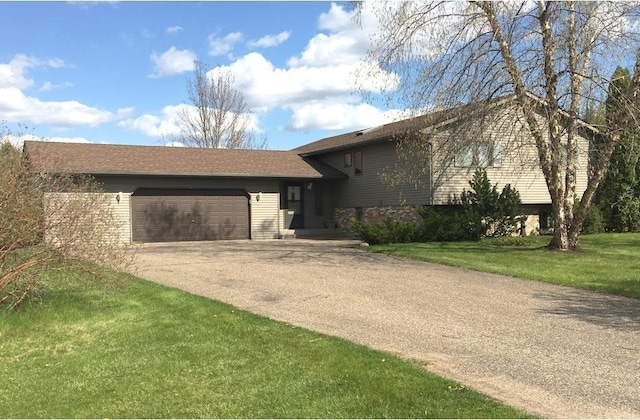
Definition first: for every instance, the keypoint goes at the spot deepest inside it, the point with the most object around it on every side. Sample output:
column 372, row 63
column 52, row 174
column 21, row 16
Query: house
column 183, row 194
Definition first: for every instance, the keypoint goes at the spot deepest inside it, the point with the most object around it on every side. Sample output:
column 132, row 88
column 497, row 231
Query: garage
column 168, row 215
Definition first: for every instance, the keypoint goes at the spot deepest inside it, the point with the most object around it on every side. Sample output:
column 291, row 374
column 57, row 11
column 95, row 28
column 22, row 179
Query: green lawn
column 141, row 350
column 608, row 263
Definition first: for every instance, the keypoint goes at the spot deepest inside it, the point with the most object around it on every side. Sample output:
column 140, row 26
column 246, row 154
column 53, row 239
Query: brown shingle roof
column 104, row 159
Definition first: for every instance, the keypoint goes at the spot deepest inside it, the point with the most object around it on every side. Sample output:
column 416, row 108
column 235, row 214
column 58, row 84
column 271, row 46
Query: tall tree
column 619, row 192
column 447, row 53
column 217, row 115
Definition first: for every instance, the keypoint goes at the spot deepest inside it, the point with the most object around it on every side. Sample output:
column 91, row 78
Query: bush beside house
column 479, row 212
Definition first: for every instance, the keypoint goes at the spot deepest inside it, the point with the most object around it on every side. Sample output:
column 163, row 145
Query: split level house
column 163, row 194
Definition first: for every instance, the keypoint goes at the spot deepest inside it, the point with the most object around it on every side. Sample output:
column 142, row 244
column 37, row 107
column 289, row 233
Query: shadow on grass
column 609, row 311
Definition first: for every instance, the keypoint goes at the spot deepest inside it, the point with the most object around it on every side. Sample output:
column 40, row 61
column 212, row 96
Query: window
column 481, row 154
column 358, row 162
column 347, row 160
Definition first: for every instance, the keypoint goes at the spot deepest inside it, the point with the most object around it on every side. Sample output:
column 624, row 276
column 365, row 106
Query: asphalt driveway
column 551, row 350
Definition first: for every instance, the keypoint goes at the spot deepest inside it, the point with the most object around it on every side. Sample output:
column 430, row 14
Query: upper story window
column 357, row 162
column 348, row 160
column 480, row 154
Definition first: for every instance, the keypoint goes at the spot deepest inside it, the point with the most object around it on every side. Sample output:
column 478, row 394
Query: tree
column 619, row 192
column 50, row 219
column 218, row 115
column 552, row 56
column 498, row 213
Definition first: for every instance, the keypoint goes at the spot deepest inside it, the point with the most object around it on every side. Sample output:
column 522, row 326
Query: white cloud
column 339, row 116
column 174, row 144
column 222, row 46
column 266, row 86
column 12, row 74
column 57, row 63
column 344, row 42
column 15, row 106
column 18, row 141
column 323, row 84
column 48, row 86
column 167, row 124
column 173, row 29
column 268, row 41
column 171, row 62
column 337, row 19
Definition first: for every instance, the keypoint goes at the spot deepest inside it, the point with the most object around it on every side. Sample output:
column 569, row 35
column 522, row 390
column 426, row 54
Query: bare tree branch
column 217, row 115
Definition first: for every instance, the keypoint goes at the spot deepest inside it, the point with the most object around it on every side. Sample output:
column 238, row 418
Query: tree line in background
column 618, row 198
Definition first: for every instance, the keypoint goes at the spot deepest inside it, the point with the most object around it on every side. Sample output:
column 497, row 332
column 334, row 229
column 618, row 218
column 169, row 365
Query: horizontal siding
column 122, row 212
column 520, row 164
column 59, row 209
column 367, row 189
column 265, row 223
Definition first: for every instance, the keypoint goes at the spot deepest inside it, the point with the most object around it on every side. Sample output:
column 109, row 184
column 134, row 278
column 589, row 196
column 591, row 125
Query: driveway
column 550, row 350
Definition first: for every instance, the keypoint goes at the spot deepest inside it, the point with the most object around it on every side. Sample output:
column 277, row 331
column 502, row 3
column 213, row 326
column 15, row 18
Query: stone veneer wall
column 344, row 216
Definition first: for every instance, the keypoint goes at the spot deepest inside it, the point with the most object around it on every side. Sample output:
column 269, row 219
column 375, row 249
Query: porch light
column 119, row 197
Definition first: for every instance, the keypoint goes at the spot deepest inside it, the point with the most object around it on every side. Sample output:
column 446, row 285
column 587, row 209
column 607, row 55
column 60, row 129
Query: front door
column 294, row 211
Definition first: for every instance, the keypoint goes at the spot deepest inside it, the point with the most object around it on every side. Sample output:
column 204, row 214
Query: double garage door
column 166, row 215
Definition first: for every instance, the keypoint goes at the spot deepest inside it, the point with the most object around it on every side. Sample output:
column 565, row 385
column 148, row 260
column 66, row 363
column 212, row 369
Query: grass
column 140, row 350
column 608, row 263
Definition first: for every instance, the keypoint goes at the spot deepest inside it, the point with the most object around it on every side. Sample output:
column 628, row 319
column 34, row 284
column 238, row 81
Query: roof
column 108, row 159
column 387, row 132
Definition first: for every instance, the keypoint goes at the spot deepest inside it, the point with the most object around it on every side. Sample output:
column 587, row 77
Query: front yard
column 135, row 349
column 608, row 263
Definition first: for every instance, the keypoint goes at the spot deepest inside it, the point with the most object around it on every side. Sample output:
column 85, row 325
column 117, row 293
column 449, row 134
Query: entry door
column 294, row 212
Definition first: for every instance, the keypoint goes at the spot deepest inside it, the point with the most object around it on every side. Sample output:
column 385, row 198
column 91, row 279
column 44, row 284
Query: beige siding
column 59, row 207
column 265, row 223
column 519, row 167
column 122, row 211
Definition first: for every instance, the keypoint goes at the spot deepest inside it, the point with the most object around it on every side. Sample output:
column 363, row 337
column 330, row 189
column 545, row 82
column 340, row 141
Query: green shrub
column 500, row 213
column 387, row 232
column 449, row 226
column 594, row 221
column 482, row 211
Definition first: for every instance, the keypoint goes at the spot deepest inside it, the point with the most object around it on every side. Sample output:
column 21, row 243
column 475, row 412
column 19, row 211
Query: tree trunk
column 560, row 240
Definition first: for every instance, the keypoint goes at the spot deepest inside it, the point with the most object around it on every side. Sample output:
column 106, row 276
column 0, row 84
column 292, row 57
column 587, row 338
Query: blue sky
column 116, row 72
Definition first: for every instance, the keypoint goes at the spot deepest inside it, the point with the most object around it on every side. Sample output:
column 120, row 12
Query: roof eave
column 187, row 174
column 346, row 146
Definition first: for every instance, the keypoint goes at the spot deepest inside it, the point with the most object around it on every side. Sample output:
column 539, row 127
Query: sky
column 116, row 72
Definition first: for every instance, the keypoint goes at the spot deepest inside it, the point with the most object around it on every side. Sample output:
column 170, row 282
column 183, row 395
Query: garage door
column 166, row 215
